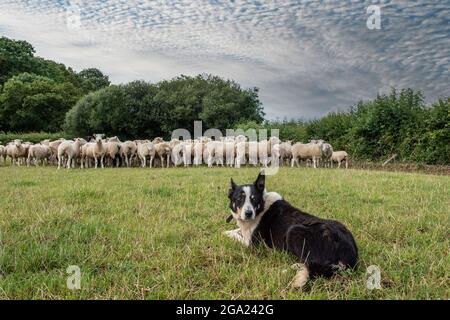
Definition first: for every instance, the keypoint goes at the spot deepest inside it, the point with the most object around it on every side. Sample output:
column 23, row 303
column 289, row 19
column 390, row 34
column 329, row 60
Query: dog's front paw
column 301, row 277
column 230, row 233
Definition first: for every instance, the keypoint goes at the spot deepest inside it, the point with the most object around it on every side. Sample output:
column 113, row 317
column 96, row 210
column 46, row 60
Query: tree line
column 42, row 95
column 396, row 123
column 39, row 95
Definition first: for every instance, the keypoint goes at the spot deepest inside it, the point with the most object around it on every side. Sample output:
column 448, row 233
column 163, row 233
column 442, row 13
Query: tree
column 141, row 110
column 433, row 144
column 93, row 79
column 34, row 103
column 15, row 57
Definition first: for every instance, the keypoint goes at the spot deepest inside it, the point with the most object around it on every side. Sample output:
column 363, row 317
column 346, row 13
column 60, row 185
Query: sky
column 307, row 57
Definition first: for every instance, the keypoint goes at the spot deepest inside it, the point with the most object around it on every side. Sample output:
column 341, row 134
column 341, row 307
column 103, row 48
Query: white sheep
column 215, row 153
column 241, row 153
column 128, row 150
column 251, row 150
column 176, row 147
column 98, row 150
column 285, row 152
column 39, row 152
column 24, row 156
column 163, row 150
column 54, row 145
column 84, row 155
column 326, row 150
column 16, row 150
column 309, row 151
column 339, row 156
column 71, row 150
column 112, row 146
column 327, row 153
column 187, row 152
column 230, row 151
column 146, row 149
column 200, row 150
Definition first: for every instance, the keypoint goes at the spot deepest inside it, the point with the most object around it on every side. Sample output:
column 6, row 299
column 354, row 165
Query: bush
column 399, row 123
column 34, row 137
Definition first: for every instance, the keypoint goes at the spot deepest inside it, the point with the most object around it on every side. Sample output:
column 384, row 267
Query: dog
column 322, row 247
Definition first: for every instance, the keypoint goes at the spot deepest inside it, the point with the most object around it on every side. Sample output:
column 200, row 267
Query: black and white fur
column 322, row 246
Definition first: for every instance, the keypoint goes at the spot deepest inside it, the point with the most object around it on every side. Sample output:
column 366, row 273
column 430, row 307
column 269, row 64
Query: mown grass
column 157, row 234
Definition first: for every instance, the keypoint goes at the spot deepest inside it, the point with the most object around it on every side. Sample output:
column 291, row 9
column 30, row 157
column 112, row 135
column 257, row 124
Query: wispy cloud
column 308, row 57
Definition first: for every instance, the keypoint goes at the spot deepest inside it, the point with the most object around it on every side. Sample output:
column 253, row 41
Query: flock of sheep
column 229, row 151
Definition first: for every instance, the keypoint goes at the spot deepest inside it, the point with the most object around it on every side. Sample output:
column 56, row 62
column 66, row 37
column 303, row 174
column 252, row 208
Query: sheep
column 276, row 155
column 215, row 153
column 199, row 147
column 157, row 140
column 71, row 149
column 128, row 150
column 84, row 155
column 326, row 150
column 339, row 156
column 163, row 150
column 241, row 152
column 240, row 138
column 251, row 150
column 271, row 143
column 54, row 145
column 112, row 146
column 98, row 150
column 309, row 151
column 327, row 153
column 39, row 152
column 285, row 152
column 176, row 146
column 24, row 156
column 15, row 151
column 187, row 152
column 146, row 149
column 230, row 151
column 200, row 150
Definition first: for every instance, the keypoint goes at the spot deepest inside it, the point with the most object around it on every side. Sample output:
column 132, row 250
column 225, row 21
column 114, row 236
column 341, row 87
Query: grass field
column 157, row 234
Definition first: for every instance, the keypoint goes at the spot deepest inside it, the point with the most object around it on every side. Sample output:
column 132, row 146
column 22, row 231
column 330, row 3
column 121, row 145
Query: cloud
column 307, row 57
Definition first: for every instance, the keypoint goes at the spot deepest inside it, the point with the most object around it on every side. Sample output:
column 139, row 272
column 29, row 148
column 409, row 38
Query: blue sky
column 307, row 57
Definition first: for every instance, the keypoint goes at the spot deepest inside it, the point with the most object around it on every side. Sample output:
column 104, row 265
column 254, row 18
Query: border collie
column 322, row 246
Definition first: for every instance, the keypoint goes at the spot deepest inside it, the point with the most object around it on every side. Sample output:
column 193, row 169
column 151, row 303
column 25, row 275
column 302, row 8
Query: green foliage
column 15, row 57
column 288, row 129
column 36, row 93
column 93, row 79
column 139, row 109
column 33, row 137
column 399, row 122
column 433, row 144
column 35, row 103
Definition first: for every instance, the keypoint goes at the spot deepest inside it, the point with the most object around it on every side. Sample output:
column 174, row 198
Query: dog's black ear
column 233, row 187
column 260, row 182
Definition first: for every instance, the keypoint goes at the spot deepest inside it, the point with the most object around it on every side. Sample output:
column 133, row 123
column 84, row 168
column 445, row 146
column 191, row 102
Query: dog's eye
column 252, row 197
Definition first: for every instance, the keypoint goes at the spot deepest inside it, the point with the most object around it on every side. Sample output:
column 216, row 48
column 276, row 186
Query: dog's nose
column 248, row 214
